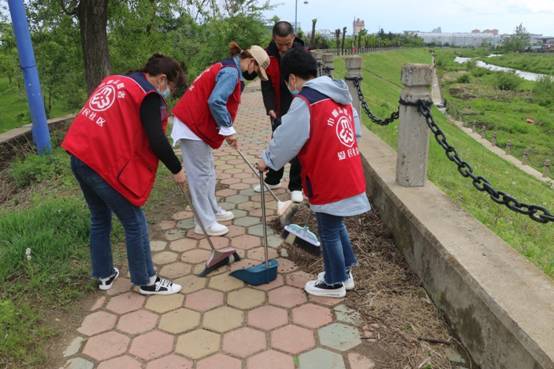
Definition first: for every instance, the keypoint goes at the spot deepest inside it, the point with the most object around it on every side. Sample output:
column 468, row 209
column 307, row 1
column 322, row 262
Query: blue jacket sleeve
column 225, row 83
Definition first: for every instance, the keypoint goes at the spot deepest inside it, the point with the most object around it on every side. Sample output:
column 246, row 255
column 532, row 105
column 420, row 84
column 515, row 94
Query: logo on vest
column 345, row 133
column 103, row 99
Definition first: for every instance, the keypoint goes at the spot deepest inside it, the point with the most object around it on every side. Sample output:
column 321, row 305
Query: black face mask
column 249, row 76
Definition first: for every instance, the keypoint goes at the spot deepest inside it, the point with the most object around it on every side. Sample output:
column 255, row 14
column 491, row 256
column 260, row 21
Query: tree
column 93, row 19
column 337, row 37
column 519, row 41
column 312, row 38
column 343, row 37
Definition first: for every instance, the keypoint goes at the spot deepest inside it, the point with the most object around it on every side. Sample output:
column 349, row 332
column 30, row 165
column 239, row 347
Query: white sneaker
column 223, row 215
column 348, row 284
column 296, row 196
column 318, row 287
column 161, row 286
column 215, row 229
column 257, row 187
column 106, row 283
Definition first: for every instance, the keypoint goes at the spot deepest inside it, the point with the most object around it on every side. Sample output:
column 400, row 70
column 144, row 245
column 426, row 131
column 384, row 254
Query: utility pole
column 41, row 135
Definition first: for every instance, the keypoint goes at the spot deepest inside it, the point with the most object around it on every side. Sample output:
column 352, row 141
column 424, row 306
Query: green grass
column 14, row 111
column 485, row 101
column 533, row 240
column 529, row 62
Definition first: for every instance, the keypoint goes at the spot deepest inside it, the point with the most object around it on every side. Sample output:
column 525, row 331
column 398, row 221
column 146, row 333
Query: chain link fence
column 535, row 212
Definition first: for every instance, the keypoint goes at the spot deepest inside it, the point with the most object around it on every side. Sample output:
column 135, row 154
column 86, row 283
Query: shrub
column 37, row 168
column 543, row 91
column 464, row 78
column 507, row 81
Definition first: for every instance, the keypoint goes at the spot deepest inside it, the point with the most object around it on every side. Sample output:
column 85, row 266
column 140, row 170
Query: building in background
column 475, row 38
column 357, row 26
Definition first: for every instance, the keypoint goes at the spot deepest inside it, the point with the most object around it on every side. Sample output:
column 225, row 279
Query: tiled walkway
column 219, row 322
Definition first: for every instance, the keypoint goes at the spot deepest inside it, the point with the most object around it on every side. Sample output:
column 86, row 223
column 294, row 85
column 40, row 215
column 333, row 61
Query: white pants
column 199, row 166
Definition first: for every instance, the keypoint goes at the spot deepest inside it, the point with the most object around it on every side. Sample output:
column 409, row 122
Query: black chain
column 382, row 122
column 535, row 212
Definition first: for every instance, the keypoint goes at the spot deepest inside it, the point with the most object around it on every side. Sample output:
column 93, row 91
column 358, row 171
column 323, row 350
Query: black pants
column 274, row 176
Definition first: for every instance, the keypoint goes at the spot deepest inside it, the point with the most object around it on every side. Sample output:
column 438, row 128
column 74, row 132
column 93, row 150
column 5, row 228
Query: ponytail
column 235, row 49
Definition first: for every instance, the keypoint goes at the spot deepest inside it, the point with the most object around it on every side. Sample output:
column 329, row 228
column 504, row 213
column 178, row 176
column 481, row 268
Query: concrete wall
column 500, row 306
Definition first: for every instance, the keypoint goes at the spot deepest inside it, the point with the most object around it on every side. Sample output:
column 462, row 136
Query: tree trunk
column 93, row 19
column 343, row 37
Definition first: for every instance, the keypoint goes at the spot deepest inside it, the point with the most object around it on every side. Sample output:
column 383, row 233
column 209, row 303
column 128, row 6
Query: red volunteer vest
column 107, row 135
column 274, row 76
column 330, row 159
column 193, row 110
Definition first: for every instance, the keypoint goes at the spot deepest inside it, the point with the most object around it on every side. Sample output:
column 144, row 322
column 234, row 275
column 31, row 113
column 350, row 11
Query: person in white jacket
column 321, row 129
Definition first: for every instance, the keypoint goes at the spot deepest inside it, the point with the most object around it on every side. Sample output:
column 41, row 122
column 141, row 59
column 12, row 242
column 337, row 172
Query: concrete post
column 353, row 70
column 413, row 133
column 319, row 60
column 328, row 63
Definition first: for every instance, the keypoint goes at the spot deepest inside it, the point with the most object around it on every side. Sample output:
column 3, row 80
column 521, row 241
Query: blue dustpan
column 258, row 274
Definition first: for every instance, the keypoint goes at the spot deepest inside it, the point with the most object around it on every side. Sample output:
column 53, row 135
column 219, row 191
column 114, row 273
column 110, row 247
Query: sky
column 401, row 15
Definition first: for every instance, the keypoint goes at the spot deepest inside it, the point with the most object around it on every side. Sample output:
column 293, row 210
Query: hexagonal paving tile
column 218, row 242
column 312, row 316
column 174, row 234
column 256, row 230
column 198, row 343
column 191, row 283
column 164, row 257
column 120, row 285
column 327, row 301
column 286, row 266
column 204, row 300
column 186, row 224
column 195, row 256
column 358, row 361
column 183, row 244
column 339, row 336
column 244, row 342
column 246, row 242
column 162, row 304
column 175, row 270
column 164, row 225
column 157, row 245
column 121, row 362
column 267, row 317
column 182, row 215
column 247, row 221
column 98, row 303
column 226, row 192
column 235, row 231
column 98, row 322
column 292, row 339
column 179, row 321
column 239, row 213
column 298, row 279
column 245, row 298
column 236, row 199
column 258, row 253
column 219, row 361
column 270, row 360
column 287, row 296
column 320, row 359
column 78, row 363
column 139, row 321
column 346, row 315
column 170, row 362
column 224, row 282
column 151, row 345
column 125, row 303
column 223, row 319
column 106, row 345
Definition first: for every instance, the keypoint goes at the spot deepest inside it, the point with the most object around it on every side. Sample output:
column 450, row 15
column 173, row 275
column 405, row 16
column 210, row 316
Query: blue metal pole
column 41, row 135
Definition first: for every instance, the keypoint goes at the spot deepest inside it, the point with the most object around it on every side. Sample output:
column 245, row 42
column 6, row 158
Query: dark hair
column 283, row 29
column 161, row 64
column 235, row 49
column 299, row 62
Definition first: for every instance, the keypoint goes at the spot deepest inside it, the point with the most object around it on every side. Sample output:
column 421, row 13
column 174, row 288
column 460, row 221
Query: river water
column 529, row 76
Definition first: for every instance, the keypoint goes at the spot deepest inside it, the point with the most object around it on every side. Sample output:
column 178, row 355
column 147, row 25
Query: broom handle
column 262, row 188
column 189, row 200
column 262, row 184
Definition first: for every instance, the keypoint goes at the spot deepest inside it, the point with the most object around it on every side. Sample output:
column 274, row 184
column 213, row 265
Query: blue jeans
column 102, row 200
column 338, row 256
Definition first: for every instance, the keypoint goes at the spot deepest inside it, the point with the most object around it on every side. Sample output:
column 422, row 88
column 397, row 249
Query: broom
column 302, row 237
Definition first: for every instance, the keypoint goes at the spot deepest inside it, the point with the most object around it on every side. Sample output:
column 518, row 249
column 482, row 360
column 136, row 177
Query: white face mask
column 165, row 93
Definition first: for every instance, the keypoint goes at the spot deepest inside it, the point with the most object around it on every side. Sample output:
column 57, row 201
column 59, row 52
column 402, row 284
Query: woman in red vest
column 115, row 143
column 320, row 128
column 204, row 118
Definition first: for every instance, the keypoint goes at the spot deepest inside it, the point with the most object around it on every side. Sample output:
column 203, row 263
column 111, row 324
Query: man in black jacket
column 277, row 100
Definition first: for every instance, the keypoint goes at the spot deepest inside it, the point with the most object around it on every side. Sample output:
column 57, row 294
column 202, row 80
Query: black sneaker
column 318, row 287
column 106, row 283
column 162, row 286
